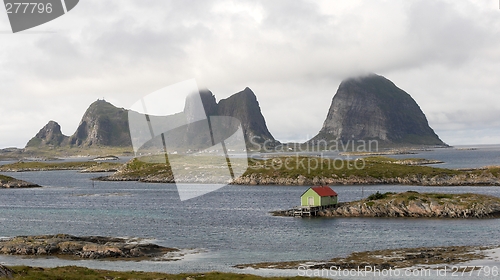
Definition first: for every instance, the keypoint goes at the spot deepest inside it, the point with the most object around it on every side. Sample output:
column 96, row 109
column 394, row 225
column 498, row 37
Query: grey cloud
column 291, row 53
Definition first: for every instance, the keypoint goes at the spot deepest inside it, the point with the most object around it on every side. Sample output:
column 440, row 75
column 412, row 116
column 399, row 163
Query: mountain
column 374, row 108
column 242, row 106
column 50, row 135
column 104, row 125
column 245, row 107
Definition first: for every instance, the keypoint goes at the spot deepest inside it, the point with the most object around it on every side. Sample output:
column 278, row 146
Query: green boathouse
column 318, row 196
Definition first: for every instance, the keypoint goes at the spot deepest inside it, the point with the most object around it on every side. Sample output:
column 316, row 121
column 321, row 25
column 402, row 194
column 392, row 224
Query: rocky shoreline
column 415, row 205
column 259, row 179
column 7, row 182
column 386, row 259
column 82, row 166
column 376, row 171
column 85, row 247
column 416, row 180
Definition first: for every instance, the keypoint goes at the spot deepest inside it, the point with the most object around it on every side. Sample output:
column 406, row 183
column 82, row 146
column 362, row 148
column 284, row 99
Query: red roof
column 324, row 191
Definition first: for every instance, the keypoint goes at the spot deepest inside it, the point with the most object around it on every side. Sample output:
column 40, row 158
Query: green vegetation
column 66, row 151
column 368, row 169
column 494, row 170
column 44, row 166
column 147, row 166
column 9, row 182
column 379, row 195
column 5, row 179
column 467, row 200
column 81, row 273
column 310, row 167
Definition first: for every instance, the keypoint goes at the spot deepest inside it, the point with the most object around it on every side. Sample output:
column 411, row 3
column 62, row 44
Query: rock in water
column 7, row 182
column 374, row 108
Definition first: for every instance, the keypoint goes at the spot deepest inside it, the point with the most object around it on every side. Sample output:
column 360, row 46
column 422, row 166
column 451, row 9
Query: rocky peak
column 245, row 107
column 103, row 124
column 374, row 108
column 209, row 102
column 49, row 135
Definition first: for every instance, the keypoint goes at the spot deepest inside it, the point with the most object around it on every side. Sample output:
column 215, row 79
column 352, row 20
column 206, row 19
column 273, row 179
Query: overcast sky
column 292, row 53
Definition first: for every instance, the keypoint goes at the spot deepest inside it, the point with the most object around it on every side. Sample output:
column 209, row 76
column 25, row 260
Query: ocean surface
column 232, row 225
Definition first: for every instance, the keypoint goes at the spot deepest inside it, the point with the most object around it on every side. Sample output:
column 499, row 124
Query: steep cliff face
column 245, row 107
column 50, row 135
column 102, row 125
column 242, row 106
column 374, row 108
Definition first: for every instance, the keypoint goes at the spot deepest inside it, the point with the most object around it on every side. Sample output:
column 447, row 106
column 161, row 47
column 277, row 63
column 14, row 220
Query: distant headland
column 370, row 108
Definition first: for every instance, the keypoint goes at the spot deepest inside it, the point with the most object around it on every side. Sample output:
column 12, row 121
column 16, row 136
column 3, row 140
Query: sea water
column 221, row 229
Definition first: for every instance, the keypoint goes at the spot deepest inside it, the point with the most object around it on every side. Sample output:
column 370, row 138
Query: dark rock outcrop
column 245, row 107
column 87, row 247
column 7, row 182
column 102, row 125
column 49, row 135
column 5, row 272
column 374, row 108
column 242, row 106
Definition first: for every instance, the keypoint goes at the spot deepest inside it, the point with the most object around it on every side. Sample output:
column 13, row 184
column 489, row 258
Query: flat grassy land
column 291, row 166
column 46, row 166
column 377, row 167
column 81, row 273
column 76, row 151
column 310, row 167
column 6, row 179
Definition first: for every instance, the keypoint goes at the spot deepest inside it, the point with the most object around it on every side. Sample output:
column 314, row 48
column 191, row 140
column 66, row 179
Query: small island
column 7, row 182
column 311, row 170
column 389, row 258
column 105, row 158
column 412, row 204
column 82, row 166
column 85, row 247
